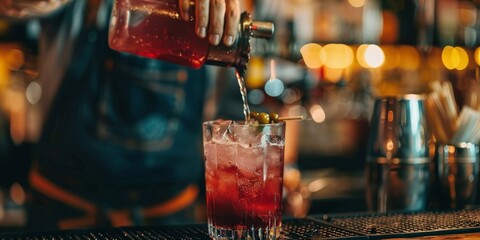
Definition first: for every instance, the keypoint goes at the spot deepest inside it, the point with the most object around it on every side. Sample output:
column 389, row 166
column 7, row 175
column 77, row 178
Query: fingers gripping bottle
column 155, row 29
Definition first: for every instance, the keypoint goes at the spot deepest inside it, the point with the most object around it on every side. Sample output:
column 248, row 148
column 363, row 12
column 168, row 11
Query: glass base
column 269, row 233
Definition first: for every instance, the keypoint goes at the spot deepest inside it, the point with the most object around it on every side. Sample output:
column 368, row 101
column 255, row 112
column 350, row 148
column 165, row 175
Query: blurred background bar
column 332, row 59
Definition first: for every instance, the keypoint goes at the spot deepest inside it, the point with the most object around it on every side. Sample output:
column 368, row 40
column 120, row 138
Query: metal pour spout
column 262, row 29
column 238, row 54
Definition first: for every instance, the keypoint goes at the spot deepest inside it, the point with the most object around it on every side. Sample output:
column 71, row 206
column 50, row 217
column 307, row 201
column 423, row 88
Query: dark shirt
column 122, row 130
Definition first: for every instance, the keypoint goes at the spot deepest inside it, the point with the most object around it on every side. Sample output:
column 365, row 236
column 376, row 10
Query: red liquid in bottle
column 155, row 29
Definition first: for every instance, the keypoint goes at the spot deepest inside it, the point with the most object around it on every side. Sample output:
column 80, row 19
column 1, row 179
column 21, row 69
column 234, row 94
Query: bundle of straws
column 449, row 126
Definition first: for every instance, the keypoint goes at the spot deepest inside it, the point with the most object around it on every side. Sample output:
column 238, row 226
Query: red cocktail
column 154, row 29
column 244, row 179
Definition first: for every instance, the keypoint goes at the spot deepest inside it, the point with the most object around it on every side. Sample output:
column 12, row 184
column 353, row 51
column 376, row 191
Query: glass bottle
column 155, row 29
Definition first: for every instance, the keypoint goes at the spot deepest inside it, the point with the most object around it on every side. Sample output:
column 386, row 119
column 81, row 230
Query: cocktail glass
column 244, row 179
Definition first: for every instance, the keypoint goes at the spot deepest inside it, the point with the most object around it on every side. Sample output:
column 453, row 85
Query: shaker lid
column 238, row 55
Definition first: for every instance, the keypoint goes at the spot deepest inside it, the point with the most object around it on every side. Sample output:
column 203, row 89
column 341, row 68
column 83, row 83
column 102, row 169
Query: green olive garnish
column 273, row 117
column 263, row 118
column 254, row 115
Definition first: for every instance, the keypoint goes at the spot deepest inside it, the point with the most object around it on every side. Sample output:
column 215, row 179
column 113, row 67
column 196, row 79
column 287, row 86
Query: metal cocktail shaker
column 457, row 174
column 398, row 159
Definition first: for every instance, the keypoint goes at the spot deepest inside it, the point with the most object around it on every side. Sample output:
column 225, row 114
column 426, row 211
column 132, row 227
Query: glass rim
column 241, row 123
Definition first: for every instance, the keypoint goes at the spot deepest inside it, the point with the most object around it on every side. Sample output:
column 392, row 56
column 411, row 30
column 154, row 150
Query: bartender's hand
column 220, row 17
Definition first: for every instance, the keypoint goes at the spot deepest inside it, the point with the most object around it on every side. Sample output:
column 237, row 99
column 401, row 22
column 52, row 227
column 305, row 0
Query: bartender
column 117, row 137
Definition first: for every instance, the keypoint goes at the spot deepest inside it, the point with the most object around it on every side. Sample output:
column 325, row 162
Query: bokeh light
column 462, row 58
column 313, row 55
column 256, row 96
column 447, row 57
column 255, row 77
column 338, row 56
column 274, row 87
column 357, row 3
column 454, row 58
column 318, row 114
column 291, row 95
column 33, row 93
column 370, row 56
column 374, row 56
column 15, row 59
column 360, row 55
column 4, row 74
column 17, row 194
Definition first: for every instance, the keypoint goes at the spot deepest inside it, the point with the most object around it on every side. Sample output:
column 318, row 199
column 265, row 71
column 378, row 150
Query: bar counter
column 448, row 224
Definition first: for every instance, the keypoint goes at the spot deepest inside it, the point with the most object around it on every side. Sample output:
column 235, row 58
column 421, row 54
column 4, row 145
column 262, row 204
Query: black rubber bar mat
column 407, row 224
column 336, row 226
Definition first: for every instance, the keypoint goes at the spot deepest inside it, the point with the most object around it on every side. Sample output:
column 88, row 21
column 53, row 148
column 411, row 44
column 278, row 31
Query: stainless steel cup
column 457, row 174
column 398, row 160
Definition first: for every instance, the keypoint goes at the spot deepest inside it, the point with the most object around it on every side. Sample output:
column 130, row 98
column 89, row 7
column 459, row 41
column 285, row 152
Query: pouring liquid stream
column 240, row 74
